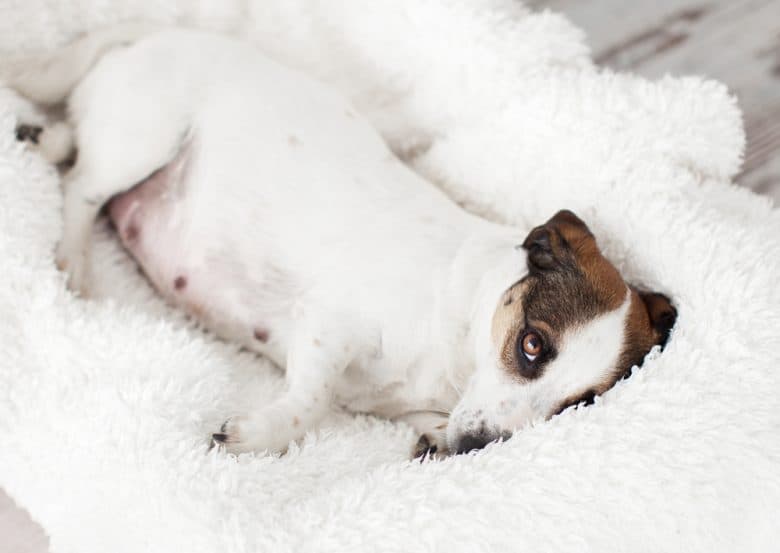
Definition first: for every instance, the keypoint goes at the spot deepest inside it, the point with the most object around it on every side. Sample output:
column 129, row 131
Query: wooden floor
column 734, row 41
column 18, row 533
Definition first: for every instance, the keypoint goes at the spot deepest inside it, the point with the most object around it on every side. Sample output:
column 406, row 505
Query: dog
column 260, row 202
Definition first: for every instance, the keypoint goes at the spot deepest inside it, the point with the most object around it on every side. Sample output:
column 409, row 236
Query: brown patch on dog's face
column 570, row 283
column 560, row 336
column 649, row 321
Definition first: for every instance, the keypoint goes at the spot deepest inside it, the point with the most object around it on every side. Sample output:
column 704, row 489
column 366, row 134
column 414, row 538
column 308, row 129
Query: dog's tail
column 50, row 79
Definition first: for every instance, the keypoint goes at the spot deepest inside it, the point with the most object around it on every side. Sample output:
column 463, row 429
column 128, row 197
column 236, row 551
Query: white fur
column 104, row 405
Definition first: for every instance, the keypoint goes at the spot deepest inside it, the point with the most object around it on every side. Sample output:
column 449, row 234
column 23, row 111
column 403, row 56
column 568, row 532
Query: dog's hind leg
column 104, row 168
column 84, row 195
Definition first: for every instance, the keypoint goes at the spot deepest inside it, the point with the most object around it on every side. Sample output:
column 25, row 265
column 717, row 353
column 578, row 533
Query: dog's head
column 565, row 333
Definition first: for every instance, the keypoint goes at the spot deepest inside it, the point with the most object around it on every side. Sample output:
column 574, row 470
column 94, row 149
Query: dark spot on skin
column 28, row 132
column 317, row 342
column 349, row 114
column 180, row 282
column 296, row 421
column 293, row 140
column 262, row 335
column 131, row 233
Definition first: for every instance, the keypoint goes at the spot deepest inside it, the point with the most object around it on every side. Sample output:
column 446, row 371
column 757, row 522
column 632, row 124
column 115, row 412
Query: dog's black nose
column 470, row 442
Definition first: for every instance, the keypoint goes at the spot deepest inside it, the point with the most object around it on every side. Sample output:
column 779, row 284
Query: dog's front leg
column 316, row 360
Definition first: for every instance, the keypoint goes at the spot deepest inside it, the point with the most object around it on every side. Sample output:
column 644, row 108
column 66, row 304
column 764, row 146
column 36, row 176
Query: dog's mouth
column 475, row 441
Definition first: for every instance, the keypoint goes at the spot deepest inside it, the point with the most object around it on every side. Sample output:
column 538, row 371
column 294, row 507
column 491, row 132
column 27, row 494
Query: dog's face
column 565, row 333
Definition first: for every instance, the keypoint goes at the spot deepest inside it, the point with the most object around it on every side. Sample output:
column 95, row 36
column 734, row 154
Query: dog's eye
column 532, row 345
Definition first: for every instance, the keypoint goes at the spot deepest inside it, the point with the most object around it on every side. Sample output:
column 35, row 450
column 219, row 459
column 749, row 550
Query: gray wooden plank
column 734, row 41
column 18, row 532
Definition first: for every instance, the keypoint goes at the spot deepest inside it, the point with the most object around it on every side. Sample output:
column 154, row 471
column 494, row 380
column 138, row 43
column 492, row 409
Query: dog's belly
column 192, row 267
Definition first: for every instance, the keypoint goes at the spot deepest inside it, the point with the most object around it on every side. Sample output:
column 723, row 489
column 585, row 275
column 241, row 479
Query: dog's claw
column 227, row 436
column 424, row 448
column 29, row 133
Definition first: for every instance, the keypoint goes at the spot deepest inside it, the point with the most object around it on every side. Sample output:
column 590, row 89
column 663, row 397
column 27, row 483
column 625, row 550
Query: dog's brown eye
column 532, row 345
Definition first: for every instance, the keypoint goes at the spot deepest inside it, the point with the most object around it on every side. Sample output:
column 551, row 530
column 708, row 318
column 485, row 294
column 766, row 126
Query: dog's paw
column 258, row 432
column 229, row 433
column 235, row 437
column 428, row 447
column 28, row 133
column 54, row 142
column 74, row 265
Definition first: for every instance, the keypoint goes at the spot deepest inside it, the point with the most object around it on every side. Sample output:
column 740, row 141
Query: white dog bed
column 105, row 406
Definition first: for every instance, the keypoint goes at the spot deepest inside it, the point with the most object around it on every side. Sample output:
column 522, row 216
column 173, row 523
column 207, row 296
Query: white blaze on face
column 587, row 358
column 498, row 402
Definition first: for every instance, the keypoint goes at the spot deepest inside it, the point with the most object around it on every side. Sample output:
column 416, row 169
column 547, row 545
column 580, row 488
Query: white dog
column 260, row 202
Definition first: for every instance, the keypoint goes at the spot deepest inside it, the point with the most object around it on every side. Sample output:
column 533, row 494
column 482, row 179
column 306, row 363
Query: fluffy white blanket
column 105, row 406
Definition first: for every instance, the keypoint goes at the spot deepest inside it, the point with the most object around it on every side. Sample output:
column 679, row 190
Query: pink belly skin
column 145, row 219
column 156, row 225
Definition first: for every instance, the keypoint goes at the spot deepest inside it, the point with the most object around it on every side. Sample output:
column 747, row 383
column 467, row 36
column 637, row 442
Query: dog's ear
column 550, row 243
column 539, row 248
column 661, row 313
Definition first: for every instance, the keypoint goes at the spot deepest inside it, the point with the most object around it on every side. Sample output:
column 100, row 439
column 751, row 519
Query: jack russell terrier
column 259, row 201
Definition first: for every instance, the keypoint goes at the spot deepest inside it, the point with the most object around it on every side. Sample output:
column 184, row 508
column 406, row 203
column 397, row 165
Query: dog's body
column 260, row 202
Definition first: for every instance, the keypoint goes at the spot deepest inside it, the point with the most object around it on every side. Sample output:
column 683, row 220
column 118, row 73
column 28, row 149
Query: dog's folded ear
column 661, row 313
column 548, row 244
column 539, row 248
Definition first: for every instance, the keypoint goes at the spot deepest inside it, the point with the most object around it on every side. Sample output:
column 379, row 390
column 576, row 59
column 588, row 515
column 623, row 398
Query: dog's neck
column 487, row 263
